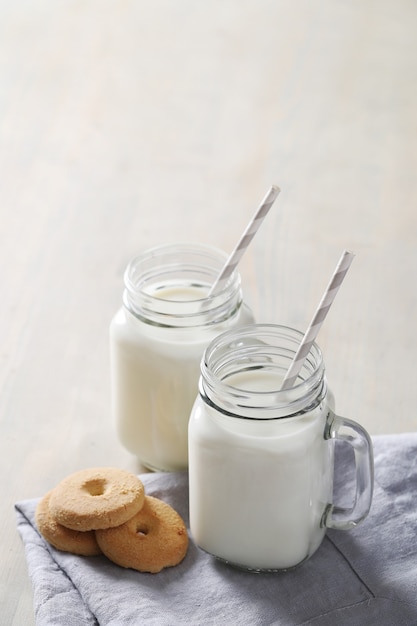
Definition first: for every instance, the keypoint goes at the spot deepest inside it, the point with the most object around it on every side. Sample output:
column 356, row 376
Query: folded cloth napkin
column 364, row 576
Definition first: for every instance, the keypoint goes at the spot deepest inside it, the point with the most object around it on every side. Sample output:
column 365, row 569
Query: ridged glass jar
column 157, row 339
column 261, row 459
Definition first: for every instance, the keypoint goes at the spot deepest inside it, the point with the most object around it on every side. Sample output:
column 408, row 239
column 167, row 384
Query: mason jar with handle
column 157, row 339
column 261, row 459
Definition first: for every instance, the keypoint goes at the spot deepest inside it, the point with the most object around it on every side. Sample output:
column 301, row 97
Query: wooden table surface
column 125, row 125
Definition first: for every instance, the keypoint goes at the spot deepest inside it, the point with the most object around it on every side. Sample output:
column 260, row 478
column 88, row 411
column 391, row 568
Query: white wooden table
column 129, row 124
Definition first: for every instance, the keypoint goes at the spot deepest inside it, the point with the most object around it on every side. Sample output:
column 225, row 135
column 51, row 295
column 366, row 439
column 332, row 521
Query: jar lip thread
column 185, row 273
column 227, row 372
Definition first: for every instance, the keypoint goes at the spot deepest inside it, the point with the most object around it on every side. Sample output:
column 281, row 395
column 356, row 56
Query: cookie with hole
column 96, row 498
column 153, row 539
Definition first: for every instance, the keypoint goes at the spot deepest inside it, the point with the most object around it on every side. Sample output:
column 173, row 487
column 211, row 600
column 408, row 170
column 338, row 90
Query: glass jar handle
column 343, row 429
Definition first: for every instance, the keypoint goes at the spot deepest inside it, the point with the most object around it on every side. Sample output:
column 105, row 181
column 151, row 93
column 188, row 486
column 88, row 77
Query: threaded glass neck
column 168, row 285
column 242, row 372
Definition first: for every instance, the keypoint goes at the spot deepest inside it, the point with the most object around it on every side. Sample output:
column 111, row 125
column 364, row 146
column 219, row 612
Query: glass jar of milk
column 157, row 339
column 261, row 459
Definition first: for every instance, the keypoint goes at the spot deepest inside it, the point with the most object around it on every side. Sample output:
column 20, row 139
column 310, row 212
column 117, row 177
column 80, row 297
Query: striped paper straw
column 318, row 319
column 244, row 241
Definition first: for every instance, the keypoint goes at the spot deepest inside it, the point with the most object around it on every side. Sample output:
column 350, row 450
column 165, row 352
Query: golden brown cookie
column 154, row 538
column 94, row 498
column 65, row 539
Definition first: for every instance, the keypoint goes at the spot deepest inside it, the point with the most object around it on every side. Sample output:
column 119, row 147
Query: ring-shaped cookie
column 60, row 537
column 96, row 498
column 153, row 539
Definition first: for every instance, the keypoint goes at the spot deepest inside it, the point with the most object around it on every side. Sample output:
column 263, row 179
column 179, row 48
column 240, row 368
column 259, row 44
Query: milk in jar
column 157, row 339
column 261, row 459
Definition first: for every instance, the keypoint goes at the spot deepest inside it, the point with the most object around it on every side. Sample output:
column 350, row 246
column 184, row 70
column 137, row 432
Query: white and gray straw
column 318, row 319
column 244, row 241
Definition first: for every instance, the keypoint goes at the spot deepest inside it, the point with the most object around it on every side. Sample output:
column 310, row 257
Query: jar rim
column 252, row 348
column 178, row 264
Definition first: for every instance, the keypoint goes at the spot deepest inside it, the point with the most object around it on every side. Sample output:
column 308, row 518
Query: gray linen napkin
column 360, row 577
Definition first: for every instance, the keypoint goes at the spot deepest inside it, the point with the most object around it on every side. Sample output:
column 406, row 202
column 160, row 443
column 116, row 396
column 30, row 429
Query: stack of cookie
column 106, row 511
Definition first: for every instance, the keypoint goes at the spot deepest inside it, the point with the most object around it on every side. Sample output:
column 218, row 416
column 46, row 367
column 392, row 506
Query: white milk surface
column 154, row 376
column 258, row 489
column 179, row 293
